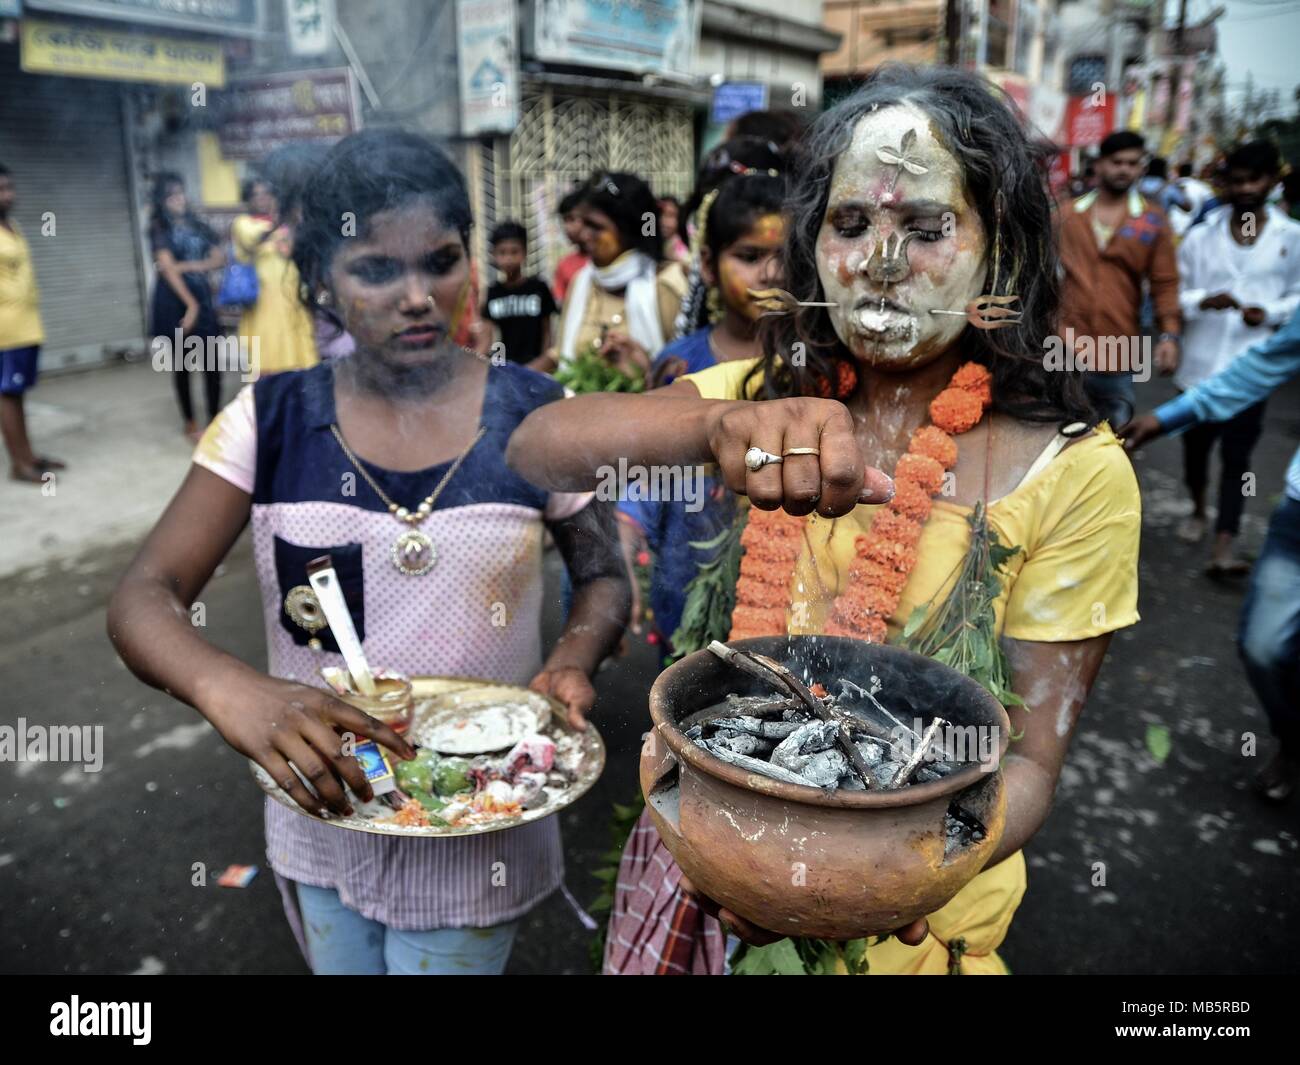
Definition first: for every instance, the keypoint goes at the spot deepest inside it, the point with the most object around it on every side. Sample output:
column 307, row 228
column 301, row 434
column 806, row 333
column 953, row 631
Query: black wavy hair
column 1000, row 167
column 1255, row 157
column 363, row 174
column 287, row 170
column 247, row 186
column 724, row 163
column 740, row 202
column 159, row 220
column 1122, row 140
column 508, row 230
column 627, row 200
column 569, row 201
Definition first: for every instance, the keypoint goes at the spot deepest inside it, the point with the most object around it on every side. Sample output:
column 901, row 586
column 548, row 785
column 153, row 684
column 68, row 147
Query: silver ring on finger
column 801, row 451
column 756, row 458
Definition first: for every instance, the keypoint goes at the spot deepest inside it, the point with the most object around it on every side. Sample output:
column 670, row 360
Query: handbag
column 238, row 282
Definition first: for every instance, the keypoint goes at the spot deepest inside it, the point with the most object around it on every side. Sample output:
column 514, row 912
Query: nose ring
column 430, row 300
column 889, row 265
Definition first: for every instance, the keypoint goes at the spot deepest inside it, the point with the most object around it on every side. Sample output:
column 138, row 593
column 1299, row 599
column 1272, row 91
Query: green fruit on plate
column 414, row 776
column 451, row 776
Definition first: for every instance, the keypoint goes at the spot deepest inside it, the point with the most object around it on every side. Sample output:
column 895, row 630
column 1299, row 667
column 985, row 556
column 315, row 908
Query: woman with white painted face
column 390, row 460
column 918, row 210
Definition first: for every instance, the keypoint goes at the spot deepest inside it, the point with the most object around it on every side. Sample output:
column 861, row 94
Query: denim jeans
column 342, row 942
column 1269, row 639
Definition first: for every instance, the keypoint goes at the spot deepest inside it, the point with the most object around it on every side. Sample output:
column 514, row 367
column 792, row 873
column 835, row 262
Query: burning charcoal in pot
column 751, row 765
column 926, row 775
column 743, row 743
column 768, row 730
column 872, row 753
column 694, row 733
column 758, row 705
column 882, row 775
column 850, row 782
column 823, row 769
column 813, row 737
column 779, row 730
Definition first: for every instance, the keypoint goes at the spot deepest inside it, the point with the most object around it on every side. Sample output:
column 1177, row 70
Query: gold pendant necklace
column 413, row 552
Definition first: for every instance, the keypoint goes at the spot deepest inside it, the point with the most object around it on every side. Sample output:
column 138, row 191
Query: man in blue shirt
column 1269, row 636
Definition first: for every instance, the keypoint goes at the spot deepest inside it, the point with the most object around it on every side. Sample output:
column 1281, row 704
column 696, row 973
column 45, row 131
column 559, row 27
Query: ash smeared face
column 899, row 240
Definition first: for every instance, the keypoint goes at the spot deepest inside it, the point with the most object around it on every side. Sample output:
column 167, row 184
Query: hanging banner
column 1158, row 112
column 489, row 66
column 309, row 25
column 1047, row 111
column 1087, row 122
column 75, row 51
column 266, row 111
column 732, row 99
column 241, row 18
column 1186, row 91
column 651, row 36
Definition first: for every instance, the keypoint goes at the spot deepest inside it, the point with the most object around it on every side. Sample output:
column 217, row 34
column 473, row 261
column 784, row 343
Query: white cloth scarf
column 634, row 272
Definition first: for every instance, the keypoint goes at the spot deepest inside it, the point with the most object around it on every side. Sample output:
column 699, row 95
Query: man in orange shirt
column 1112, row 240
column 21, row 335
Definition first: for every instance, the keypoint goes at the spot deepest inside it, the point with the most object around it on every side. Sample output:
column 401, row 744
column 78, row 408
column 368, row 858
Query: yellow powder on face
column 769, row 230
column 735, row 280
column 735, row 288
column 607, row 247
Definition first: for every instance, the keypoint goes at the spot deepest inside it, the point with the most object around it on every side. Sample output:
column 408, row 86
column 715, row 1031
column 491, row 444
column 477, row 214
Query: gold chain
column 411, row 517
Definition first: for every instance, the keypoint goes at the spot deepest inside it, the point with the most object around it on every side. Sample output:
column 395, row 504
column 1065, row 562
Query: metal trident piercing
column 890, row 265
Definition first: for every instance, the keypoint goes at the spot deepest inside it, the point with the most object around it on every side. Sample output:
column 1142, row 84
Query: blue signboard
column 732, row 99
column 645, row 35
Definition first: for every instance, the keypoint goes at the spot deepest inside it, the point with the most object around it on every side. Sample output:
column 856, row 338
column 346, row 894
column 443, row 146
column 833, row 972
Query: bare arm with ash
column 588, row 542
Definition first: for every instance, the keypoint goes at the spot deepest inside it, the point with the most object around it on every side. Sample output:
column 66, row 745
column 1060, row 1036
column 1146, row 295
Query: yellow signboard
column 83, row 52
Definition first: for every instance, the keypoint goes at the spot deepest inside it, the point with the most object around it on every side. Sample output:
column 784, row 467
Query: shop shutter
column 62, row 139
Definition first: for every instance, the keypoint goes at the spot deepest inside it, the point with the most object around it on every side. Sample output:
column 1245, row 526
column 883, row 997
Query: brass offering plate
column 435, row 697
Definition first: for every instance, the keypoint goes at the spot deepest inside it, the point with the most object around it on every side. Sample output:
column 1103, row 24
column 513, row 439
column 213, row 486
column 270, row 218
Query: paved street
column 96, row 869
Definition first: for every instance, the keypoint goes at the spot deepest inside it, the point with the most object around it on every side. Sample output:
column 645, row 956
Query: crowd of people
column 821, row 299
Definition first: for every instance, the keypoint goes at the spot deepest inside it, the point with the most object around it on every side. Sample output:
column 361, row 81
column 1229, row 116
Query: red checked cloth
column 656, row 929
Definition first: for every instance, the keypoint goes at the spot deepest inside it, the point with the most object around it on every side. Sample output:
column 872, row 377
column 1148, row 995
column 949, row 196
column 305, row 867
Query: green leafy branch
column 711, row 595
column 962, row 632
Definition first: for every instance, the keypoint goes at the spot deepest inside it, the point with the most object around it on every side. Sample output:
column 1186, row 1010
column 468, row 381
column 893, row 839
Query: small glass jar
column 392, row 703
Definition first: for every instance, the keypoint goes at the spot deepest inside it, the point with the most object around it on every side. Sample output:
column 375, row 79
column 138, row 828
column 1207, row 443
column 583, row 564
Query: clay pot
column 806, row 862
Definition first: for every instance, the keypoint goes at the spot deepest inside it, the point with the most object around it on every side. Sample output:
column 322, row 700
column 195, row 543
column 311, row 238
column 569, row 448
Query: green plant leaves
column 1158, row 743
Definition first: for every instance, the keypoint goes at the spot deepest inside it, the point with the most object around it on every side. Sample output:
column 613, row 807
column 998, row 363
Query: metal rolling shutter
column 62, row 140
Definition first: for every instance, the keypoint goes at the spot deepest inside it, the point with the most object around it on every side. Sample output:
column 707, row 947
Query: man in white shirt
column 1239, row 280
column 1183, row 199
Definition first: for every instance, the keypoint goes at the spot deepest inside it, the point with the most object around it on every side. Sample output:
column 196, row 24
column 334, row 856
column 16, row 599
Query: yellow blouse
column 20, row 311
column 280, row 323
column 1077, row 521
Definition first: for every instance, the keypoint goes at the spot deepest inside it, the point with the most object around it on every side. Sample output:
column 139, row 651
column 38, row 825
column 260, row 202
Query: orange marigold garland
column 773, row 540
column 886, row 555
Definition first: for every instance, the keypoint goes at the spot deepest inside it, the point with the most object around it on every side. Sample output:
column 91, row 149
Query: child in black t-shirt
column 520, row 307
